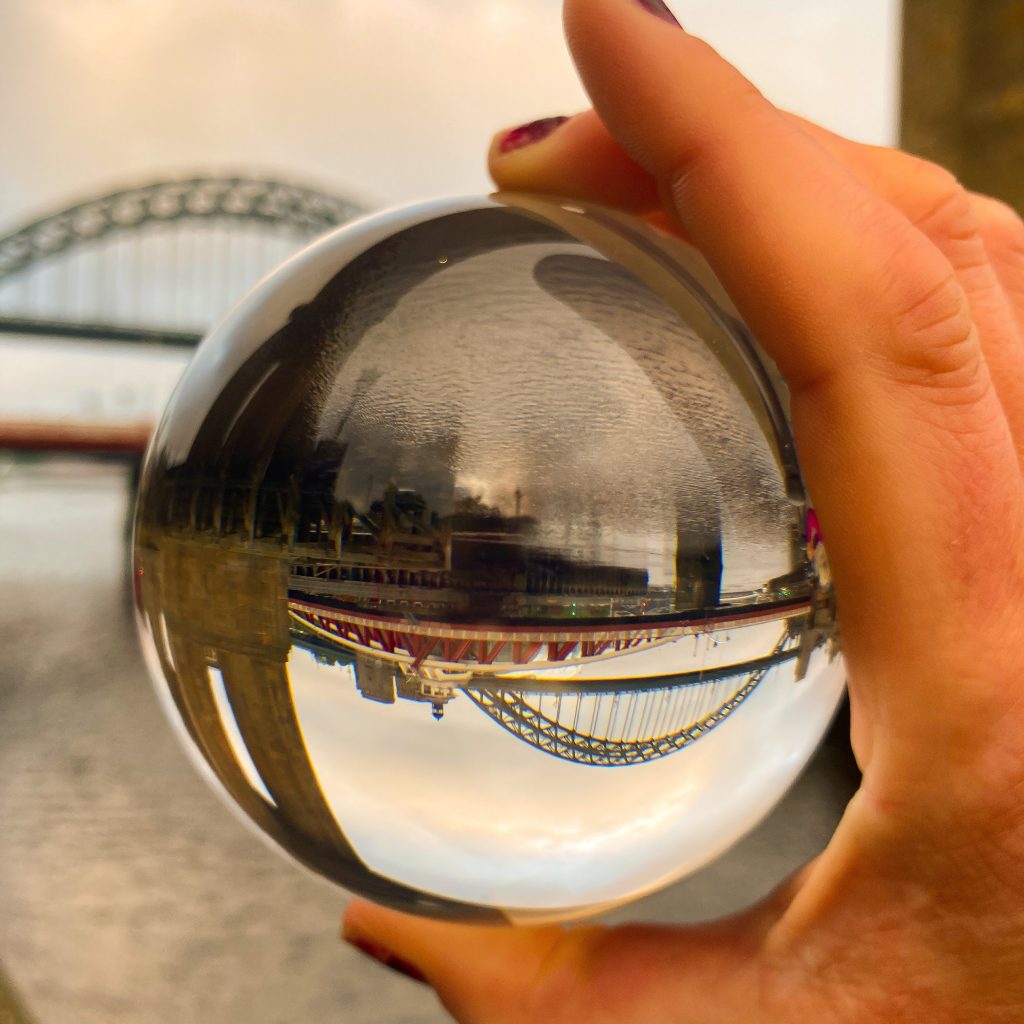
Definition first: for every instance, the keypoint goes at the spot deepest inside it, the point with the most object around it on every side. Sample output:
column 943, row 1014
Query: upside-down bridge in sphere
column 596, row 721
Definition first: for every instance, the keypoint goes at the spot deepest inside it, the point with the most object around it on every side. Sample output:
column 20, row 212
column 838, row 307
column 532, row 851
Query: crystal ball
column 472, row 557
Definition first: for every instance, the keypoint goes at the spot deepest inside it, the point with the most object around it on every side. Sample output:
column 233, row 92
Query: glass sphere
column 472, row 555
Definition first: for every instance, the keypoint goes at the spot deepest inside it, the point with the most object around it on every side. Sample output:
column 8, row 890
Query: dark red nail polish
column 527, row 134
column 659, row 10
column 384, row 956
column 396, row 963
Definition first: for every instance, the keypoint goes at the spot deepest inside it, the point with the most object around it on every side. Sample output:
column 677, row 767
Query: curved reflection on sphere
column 472, row 555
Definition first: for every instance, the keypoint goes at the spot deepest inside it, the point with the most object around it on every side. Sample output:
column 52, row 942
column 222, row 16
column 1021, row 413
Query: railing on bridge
column 442, row 647
column 627, row 721
column 158, row 262
column 593, row 721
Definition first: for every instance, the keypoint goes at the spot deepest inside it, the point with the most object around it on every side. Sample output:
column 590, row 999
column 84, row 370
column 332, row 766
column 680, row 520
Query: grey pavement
column 127, row 892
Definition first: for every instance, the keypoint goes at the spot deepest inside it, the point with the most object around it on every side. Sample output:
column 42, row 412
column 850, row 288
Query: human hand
column 893, row 302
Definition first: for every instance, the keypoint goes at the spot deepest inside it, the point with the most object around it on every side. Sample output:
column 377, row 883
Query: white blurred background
column 385, row 100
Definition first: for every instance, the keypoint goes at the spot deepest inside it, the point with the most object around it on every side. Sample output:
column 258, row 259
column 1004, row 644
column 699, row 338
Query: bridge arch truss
column 631, row 725
column 158, row 261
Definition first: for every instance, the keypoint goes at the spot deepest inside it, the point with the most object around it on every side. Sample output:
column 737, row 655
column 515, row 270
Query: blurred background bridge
column 151, row 266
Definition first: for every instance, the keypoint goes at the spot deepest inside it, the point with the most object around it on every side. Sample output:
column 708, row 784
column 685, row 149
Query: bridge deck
column 492, row 648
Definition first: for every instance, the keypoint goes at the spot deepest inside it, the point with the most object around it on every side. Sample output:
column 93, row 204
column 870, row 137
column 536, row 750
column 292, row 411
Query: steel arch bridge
column 116, row 267
column 603, row 722
column 440, row 648
column 622, row 724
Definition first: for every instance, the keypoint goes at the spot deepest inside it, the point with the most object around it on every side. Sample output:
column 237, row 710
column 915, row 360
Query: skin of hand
column 893, row 301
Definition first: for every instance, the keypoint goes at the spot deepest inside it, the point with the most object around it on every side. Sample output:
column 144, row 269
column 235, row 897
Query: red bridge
column 456, row 647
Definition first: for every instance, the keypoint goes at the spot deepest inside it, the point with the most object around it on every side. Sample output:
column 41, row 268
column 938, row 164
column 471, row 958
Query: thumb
column 628, row 975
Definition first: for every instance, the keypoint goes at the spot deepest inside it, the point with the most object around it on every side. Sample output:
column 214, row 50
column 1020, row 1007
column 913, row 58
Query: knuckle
column 999, row 220
column 931, row 341
column 930, row 196
column 990, row 210
column 554, row 989
column 579, row 978
column 691, row 160
column 932, row 179
column 944, row 206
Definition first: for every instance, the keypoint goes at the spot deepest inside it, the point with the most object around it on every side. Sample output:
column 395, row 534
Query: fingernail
column 384, row 956
column 813, row 527
column 659, row 10
column 527, row 134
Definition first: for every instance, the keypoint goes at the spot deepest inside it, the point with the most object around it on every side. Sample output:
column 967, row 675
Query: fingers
column 577, row 158
column 473, row 969
column 957, row 223
column 1002, row 231
column 764, row 202
column 905, row 445
column 982, row 239
column 586, row 973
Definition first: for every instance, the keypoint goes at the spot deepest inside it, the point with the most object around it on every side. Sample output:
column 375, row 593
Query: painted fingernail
column 384, row 956
column 659, row 10
column 528, row 134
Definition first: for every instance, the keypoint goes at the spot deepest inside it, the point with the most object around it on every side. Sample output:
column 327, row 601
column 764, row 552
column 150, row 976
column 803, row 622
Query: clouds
column 388, row 102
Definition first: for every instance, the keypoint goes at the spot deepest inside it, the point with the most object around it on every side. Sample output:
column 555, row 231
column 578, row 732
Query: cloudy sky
column 385, row 103
column 475, row 814
column 390, row 102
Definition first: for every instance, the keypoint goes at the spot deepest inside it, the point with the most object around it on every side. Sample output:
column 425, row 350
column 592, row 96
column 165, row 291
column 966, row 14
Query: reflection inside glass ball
column 472, row 556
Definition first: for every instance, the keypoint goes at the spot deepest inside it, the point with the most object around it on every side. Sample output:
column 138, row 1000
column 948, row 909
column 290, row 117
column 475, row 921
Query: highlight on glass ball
column 472, row 556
